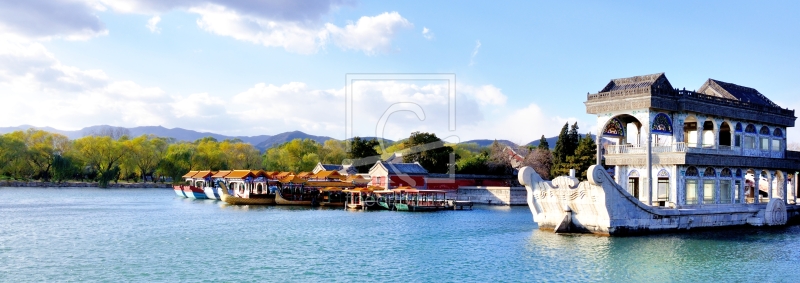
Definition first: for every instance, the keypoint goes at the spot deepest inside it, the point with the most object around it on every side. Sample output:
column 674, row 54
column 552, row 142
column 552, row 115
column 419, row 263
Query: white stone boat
column 678, row 160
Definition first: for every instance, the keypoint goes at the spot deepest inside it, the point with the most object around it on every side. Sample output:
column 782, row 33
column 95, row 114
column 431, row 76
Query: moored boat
column 421, row 200
column 235, row 200
column 292, row 192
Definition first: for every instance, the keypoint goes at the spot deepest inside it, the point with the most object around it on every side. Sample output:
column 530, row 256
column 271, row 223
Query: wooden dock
column 461, row 204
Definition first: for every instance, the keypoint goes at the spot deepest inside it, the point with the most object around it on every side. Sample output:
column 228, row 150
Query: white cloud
column 152, row 24
column 485, row 94
column 292, row 36
column 71, row 20
column 427, row 34
column 370, row 34
column 475, row 52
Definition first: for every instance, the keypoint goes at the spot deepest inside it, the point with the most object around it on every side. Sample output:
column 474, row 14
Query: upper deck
column 720, row 124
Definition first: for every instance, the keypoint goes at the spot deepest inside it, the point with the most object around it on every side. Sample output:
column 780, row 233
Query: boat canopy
column 221, row 174
column 239, row 174
column 190, row 174
column 292, row 179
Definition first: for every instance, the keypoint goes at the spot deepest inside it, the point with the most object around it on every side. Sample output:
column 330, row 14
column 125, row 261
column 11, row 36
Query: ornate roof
column 638, row 82
column 733, row 91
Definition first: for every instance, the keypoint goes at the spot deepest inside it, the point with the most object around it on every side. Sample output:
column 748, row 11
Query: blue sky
column 264, row 67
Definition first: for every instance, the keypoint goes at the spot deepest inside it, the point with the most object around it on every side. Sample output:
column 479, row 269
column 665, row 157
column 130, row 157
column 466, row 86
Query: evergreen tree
column 543, row 144
column 585, row 156
column 574, row 139
column 560, row 152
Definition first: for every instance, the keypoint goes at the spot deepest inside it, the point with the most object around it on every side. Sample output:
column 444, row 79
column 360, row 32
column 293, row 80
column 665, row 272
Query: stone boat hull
column 600, row 206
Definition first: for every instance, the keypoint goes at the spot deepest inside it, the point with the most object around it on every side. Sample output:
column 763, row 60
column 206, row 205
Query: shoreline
column 39, row 184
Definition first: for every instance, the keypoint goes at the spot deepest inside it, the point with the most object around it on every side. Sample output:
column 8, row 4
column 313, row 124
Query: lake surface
column 122, row 235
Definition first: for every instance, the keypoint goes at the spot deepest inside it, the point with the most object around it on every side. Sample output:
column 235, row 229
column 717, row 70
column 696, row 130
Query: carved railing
column 675, row 147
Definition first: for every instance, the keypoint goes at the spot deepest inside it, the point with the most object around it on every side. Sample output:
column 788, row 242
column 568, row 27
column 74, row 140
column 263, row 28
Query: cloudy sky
column 264, row 67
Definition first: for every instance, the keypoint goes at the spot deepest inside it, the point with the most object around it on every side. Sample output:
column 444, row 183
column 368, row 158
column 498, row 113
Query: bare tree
column 541, row 160
column 793, row 146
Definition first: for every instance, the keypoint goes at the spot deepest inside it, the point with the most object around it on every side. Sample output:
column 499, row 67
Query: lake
column 121, row 235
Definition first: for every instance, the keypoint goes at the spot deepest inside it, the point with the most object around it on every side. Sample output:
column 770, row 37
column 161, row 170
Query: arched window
column 764, row 140
column 690, row 187
column 738, row 127
column 739, row 173
column 633, row 183
column 778, row 132
column 709, row 172
column 662, row 124
column 749, row 140
column 614, row 128
column 663, row 187
column 691, row 172
column 709, row 186
column 764, row 130
column 751, row 129
column 726, row 189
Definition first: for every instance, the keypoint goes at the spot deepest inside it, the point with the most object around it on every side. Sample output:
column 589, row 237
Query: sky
column 464, row 70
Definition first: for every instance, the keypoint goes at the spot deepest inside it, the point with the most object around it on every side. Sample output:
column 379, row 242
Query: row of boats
column 325, row 188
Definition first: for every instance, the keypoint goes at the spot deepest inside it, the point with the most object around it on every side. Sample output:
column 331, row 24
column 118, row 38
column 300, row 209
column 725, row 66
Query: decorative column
column 649, row 177
column 769, row 187
column 785, row 196
column 699, row 130
column 756, row 180
column 599, row 150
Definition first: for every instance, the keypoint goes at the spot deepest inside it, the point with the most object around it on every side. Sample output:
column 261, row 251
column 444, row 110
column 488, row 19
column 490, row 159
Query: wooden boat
column 193, row 192
column 279, row 199
column 421, row 200
column 178, row 190
column 332, row 197
column 226, row 197
column 361, row 198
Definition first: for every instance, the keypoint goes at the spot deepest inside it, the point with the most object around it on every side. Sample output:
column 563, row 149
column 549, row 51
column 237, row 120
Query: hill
column 288, row 136
column 485, row 143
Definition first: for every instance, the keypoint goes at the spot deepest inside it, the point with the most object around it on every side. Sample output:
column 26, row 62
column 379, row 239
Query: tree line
column 106, row 156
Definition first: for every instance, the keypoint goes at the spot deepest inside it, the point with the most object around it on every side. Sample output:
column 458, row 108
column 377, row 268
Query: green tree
column 574, row 139
column 64, row 168
column 363, row 153
column 332, row 152
column 103, row 154
column 12, row 157
column 560, row 152
column 429, row 151
column 543, row 144
column 240, row 155
column 476, row 164
column 585, row 156
column 296, row 155
column 146, row 151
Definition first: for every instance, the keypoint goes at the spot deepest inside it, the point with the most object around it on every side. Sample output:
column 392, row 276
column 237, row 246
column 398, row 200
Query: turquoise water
column 122, row 235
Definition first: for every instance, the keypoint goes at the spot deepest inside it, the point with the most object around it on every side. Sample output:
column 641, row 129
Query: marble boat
column 719, row 157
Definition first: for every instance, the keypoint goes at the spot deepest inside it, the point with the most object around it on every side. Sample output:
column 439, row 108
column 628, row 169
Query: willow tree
column 146, row 151
column 240, row 155
column 103, row 154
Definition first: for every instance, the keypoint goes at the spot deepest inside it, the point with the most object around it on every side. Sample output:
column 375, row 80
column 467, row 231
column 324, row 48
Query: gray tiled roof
column 734, row 91
column 636, row 82
column 403, row 168
column 331, row 167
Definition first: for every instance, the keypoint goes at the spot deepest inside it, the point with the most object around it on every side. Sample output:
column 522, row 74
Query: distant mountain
column 484, row 143
column 261, row 142
column 288, row 136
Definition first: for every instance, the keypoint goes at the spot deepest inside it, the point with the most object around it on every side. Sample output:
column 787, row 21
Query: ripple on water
column 148, row 235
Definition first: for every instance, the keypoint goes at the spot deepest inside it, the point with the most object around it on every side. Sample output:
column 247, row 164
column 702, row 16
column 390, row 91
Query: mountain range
column 262, row 142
